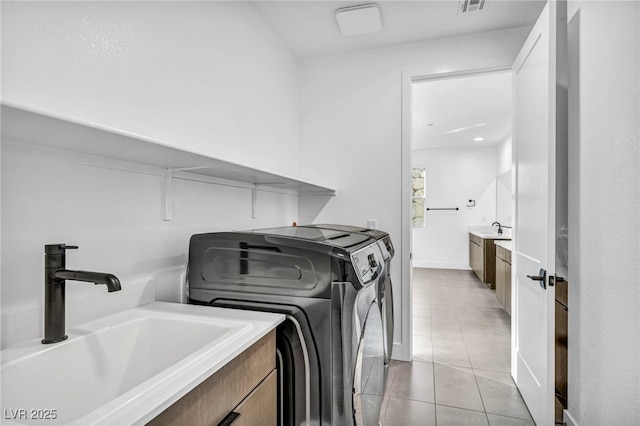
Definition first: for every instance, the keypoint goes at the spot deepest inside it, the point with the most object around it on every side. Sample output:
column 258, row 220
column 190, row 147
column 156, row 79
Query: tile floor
column 460, row 370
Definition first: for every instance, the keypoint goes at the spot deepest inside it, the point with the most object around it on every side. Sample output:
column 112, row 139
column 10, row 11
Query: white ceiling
column 309, row 28
column 451, row 113
column 460, row 109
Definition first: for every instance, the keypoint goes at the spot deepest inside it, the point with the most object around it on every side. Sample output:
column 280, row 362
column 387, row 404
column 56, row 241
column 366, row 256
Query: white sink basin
column 492, row 235
column 125, row 368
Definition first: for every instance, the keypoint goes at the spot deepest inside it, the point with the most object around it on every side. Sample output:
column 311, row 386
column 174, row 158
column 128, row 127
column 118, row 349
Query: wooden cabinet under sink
column 561, row 347
column 476, row 254
column 482, row 259
column 503, row 278
column 243, row 392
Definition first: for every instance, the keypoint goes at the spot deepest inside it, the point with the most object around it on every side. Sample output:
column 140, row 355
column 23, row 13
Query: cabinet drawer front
column 500, row 281
column 211, row 401
column 561, row 348
column 503, row 254
column 479, row 241
column 260, row 407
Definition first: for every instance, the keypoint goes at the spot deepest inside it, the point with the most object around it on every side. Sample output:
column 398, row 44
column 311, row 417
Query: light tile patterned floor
column 460, row 372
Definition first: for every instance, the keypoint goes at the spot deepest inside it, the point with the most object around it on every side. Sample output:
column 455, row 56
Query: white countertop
column 155, row 337
column 506, row 244
column 491, row 235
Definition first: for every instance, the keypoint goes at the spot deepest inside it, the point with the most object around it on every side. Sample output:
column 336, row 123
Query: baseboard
column 400, row 352
column 440, row 265
column 568, row 419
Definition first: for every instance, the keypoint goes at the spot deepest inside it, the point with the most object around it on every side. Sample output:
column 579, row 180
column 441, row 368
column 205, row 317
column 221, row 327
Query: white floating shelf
column 24, row 125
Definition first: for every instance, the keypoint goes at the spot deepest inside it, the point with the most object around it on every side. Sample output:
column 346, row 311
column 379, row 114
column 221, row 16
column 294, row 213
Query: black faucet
column 499, row 227
column 55, row 275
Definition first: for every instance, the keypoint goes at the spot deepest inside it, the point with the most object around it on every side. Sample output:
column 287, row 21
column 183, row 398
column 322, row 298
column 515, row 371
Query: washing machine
column 331, row 350
column 385, row 286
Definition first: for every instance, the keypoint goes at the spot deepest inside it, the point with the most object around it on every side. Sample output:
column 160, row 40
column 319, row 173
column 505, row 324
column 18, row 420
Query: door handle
column 541, row 278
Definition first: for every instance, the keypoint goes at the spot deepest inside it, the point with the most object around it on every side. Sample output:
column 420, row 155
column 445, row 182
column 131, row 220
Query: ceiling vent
column 466, row 6
column 361, row 19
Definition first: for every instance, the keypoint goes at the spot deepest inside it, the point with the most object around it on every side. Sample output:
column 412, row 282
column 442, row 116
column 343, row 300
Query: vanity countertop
column 492, row 235
column 505, row 244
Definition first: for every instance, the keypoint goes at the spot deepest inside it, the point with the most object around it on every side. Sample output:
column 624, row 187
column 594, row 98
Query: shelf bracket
column 254, row 197
column 254, row 200
column 167, row 195
column 167, row 189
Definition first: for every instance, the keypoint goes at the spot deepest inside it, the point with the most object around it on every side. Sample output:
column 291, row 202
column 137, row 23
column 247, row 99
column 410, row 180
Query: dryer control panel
column 368, row 263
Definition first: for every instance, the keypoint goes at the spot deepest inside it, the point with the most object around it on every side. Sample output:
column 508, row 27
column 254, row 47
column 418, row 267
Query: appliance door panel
column 385, row 301
column 302, row 384
column 386, row 306
column 369, row 372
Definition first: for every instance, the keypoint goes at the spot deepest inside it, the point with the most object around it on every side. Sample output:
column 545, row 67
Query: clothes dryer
column 385, row 286
column 331, row 350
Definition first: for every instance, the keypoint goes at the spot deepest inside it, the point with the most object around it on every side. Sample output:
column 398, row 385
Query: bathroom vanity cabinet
column 482, row 253
column 243, row 392
column 503, row 277
column 476, row 255
column 561, row 346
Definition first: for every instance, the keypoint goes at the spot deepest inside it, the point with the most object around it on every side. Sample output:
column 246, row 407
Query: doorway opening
column 461, row 138
column 460, row 161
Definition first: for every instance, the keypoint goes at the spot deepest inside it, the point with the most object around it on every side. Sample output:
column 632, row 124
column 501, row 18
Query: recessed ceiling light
column 478, row 139
column 361, row 19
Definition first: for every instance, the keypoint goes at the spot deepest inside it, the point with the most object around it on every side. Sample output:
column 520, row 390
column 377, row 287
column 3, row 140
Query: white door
column 534, row 84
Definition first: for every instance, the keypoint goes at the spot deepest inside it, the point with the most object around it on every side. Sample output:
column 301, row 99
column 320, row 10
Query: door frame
column 404, row 351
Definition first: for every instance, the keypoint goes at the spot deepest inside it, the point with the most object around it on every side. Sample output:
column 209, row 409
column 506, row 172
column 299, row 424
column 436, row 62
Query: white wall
column 206, row 76
column 114, row 216
column 350, row 127
column 210, row 77
column 604, row 209
column 454, row 176
column 504, row 186
column 505, row 160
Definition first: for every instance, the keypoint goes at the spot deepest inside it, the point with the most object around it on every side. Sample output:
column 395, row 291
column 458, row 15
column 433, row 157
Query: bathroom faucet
column 55, row 275
column 499, row 227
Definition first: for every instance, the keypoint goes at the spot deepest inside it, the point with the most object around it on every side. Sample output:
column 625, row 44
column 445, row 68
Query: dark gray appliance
column 385, row 287
column 331, row 283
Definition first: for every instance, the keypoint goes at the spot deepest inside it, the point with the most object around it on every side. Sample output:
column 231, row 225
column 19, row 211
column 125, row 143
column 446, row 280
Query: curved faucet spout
column 111, row 281
column 55, row 276
column 499, row 227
